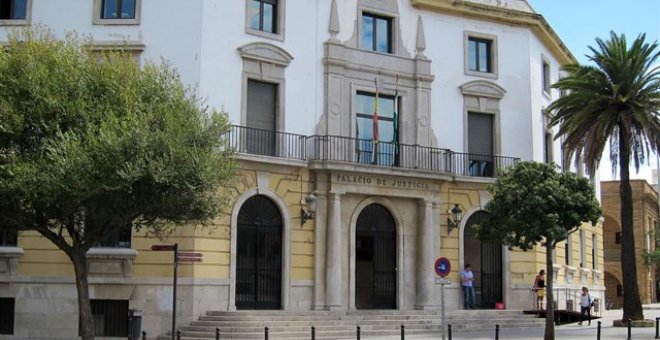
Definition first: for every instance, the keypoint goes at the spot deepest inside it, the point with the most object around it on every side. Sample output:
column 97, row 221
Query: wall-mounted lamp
column 310, row 213
column 457, row 213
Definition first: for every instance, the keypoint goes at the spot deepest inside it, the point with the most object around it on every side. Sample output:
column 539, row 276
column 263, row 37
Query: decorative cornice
column 534, row 21
column 265, row 52
column 482, row 88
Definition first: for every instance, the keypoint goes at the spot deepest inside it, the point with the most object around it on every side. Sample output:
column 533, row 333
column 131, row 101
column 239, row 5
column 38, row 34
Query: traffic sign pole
column 442, row 267
column 176, row 257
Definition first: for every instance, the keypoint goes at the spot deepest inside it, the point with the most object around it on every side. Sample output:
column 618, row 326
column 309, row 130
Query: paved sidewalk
column 564, row 332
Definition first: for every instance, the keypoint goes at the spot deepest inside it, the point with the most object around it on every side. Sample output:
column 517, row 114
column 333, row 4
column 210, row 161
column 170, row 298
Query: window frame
column 117, row 238
column 279, row 17
column 369, row 116
column 99, row 20
column 98, row 304
column 20, row 22
column 374, row 41
column 546, row 76
column 6, row 236
column 492, row 73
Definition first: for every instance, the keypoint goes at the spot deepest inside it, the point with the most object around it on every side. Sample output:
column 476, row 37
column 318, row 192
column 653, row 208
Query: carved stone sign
column 397, row 183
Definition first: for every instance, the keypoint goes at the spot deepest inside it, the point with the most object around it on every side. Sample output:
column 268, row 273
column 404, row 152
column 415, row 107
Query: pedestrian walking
column 585, row 304
column 539, row 289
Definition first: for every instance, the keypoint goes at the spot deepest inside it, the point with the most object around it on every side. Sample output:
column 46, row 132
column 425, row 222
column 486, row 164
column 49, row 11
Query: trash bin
column 134, row 324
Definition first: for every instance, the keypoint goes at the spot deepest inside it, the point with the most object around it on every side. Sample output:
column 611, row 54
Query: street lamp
column 309, row 214
column 457, row 214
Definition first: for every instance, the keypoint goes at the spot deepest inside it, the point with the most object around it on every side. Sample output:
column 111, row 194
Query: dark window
column 13, row 9
column 546, row 77
column 567, row 252
column 617, row 237
column 8, row 238
column 480, row 55
column 261, row 118
column 619, row 290
column 480, row 144
column 119, row 238
column 110, row 317
column 263, row 15
column 594, row 249
column 376, row 33
column 547, row 146
column 382, row 140
column 118, row 9
column 6, row 315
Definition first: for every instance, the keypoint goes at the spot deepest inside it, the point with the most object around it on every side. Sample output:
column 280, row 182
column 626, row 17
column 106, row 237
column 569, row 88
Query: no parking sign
column 442, row 266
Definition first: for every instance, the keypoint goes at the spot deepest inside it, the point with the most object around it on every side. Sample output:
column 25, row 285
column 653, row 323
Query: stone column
column 333, row 278
column 425, row 260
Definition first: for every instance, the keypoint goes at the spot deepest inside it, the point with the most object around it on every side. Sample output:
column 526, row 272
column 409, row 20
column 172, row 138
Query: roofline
column 535, row 21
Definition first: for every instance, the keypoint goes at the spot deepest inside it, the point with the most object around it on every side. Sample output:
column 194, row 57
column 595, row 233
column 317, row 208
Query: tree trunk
column 632, row 305
column 85, row 320
column 550, row 302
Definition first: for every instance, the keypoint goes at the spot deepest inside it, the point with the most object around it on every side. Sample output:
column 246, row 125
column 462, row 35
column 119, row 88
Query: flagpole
column 375, row 126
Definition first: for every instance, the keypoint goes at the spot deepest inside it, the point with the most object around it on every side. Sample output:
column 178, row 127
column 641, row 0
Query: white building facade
column 461, row 88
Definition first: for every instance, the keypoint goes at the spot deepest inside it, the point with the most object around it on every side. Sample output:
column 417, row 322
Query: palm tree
column 615, row 100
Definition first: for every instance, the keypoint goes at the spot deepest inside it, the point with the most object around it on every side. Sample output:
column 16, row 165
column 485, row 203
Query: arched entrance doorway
column 375, row 259
column 259, row 255
column 486, row 261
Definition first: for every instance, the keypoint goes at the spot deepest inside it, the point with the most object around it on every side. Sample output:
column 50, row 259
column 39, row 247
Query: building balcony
column 286, row 145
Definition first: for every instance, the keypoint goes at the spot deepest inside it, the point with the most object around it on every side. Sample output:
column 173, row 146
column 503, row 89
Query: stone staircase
column 342, row 325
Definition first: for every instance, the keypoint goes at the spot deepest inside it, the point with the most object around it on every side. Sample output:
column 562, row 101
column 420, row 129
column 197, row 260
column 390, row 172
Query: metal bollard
column 449, row 331
column 217, row 333
column 144, row 335
column 403, row 332
column 629, row 330
column 313, row 333
column 598, row 332
column 497, row 332
column 178, row 334
column 358, row 332
column 265, row 333
column 657, row 322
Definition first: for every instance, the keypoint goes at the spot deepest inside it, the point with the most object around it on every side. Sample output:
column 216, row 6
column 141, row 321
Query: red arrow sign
column 189, row 259
column 186, row 254
column 162, row 247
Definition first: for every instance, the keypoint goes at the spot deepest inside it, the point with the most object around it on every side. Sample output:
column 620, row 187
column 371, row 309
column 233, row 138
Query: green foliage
column 91, row 142
column 532, row 204
column 622, row 91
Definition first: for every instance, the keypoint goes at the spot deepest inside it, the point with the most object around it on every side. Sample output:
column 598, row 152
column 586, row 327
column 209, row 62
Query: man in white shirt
column 467, row 278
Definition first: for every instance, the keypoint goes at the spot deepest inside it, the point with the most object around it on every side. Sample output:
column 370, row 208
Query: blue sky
column 579, row 22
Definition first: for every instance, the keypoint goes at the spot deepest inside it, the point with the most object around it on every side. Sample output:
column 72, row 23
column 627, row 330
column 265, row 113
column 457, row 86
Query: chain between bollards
column 598, row 332
column 313, row 333
column 497, row 332
column 629, row 330
column 178, row 334
column 657, row 323
column 449, row 331
column 217, row 333
column 358, row 332
column 265, row 333
column 144, row 335
column 403, row 332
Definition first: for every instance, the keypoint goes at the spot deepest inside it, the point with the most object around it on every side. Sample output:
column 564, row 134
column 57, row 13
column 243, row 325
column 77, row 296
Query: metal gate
column 486, row 261
column 259, row 255
column 375, row 260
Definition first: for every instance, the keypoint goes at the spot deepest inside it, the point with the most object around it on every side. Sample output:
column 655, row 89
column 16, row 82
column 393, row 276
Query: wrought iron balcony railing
column 365, row 151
